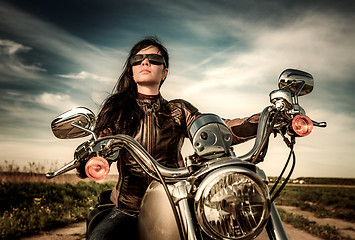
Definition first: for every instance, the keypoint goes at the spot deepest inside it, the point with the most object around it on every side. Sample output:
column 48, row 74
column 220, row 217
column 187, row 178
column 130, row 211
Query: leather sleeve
column 189, row 111
column 243, row 129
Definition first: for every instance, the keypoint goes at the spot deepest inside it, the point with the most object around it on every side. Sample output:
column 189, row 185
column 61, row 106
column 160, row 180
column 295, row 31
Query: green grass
column 29, row 207
column 328, row 181
column 322, row 201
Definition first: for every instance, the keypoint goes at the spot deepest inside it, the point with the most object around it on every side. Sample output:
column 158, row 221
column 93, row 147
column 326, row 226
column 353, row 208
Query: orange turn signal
column 97, row 168
column 302, row 125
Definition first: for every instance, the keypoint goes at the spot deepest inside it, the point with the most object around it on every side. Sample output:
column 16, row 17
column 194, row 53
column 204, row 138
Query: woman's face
column 148, row 76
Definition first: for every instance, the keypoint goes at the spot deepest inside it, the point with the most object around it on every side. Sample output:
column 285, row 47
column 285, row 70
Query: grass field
column 29, row 207
column 332, row 202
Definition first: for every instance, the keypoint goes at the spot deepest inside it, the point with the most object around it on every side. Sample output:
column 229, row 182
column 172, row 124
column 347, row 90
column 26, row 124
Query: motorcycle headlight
column 232, row 203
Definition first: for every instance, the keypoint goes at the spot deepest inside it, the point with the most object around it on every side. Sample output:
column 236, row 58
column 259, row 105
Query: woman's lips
column 145, row 71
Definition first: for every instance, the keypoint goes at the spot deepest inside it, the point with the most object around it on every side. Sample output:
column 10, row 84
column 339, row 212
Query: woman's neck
column 147, row 89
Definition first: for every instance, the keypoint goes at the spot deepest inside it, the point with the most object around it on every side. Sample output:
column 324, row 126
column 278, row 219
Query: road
column 77, row 232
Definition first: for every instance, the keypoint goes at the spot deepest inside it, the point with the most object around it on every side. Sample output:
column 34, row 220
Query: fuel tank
column 156, row 219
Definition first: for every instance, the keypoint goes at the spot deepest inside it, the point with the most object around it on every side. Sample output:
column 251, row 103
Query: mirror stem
column 300, row 88
column 295, row 97
column 85, row 129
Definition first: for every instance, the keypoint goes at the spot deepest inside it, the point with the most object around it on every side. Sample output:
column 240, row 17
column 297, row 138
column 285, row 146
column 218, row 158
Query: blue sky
column 226, row 57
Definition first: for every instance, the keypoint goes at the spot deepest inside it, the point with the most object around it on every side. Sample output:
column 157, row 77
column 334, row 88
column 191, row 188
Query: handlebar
column 151, row 166
column 260, row 136
column 143, row 158
column 262, row 133
column 146, row 161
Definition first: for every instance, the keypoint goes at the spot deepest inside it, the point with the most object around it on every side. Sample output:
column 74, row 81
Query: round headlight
column 232, row 203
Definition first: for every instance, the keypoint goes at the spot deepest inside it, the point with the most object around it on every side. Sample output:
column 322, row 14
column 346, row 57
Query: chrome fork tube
column 180, row 198
column 275, row 228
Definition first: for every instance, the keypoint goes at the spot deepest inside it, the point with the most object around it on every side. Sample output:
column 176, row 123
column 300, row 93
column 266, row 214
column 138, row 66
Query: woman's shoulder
column 178, row 101
column 181, row 104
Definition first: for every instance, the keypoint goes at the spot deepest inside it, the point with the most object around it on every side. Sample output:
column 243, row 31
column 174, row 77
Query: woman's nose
column 145, row 62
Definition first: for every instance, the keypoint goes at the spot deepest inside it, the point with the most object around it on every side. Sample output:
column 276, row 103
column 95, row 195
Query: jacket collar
column 146, row 104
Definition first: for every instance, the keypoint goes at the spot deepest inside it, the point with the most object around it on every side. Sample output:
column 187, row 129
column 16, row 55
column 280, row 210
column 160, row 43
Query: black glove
column 80, row 170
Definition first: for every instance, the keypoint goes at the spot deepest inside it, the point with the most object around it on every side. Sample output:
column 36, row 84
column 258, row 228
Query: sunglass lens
column 136, row 60
column 153, row 59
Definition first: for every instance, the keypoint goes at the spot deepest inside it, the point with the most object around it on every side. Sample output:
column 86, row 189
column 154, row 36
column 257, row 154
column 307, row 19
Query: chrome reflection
column 232, row 203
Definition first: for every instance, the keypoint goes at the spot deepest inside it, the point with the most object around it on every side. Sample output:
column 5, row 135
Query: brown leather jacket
column 162, row 132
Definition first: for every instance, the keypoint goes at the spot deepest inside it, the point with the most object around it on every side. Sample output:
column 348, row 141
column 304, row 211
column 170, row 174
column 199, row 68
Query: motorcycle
column 217, row 195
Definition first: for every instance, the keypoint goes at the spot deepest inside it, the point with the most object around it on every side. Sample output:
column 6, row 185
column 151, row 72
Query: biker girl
column 136, row 108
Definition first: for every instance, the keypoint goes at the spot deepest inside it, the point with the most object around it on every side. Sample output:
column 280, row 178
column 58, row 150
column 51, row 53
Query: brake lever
column 70, row 166
column 83, row 151
column 319, row 124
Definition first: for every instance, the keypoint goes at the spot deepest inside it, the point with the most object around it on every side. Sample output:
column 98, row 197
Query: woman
column 137, row 109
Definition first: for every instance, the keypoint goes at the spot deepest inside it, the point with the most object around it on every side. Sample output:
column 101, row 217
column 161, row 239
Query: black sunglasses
column 155, row 59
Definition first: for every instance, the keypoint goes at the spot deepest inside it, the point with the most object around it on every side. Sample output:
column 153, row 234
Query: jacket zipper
column 149, row 133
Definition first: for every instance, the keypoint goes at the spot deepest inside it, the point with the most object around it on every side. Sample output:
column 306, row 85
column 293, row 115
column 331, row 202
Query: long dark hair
column 120, row 112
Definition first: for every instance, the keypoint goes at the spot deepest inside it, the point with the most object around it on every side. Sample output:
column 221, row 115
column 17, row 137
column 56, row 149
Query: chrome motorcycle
column 217, row 195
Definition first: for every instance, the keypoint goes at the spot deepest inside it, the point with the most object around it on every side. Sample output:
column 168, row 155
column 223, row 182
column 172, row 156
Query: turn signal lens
column 302, row 125
column 97, row 168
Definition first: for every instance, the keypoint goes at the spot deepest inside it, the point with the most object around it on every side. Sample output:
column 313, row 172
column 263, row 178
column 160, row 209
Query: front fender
column 156, row 218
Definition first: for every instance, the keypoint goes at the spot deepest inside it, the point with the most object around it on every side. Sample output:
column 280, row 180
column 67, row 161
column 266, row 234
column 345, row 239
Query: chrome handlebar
column 143, row 158
column 150, row 165
column 146, row 161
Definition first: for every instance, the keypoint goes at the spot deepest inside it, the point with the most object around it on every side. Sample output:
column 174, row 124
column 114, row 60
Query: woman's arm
column 243, row 129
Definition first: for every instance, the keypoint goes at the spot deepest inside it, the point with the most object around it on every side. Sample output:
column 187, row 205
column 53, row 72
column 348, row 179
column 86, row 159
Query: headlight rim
column 220, row 173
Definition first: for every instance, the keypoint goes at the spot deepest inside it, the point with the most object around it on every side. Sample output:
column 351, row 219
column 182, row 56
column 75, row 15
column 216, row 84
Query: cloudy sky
column 226, row 57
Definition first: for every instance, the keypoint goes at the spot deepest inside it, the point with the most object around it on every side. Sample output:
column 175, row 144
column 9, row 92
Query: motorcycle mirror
column 298, row 82
column 75, row 123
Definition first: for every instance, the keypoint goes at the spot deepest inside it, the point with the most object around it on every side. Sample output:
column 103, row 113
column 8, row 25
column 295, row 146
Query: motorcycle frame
column 274, row 227
column 292, row 84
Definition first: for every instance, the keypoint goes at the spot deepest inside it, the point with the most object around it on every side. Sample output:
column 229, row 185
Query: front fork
column 180, row 199
column 274, row 227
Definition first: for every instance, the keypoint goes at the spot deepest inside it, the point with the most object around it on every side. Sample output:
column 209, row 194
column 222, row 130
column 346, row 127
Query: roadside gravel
column 345, row 228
